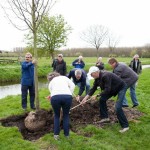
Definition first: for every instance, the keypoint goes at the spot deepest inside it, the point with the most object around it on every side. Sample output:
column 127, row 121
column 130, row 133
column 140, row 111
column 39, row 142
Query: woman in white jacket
column 61, row 89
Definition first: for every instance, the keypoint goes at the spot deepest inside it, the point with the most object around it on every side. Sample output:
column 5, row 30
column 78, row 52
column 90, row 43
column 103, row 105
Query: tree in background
column 95, row 36
column 112, row 42
column 31, row 13
column 51, row 34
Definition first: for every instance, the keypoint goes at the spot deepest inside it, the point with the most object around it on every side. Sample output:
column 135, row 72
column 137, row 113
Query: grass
column 108, row 138
column 12, row 72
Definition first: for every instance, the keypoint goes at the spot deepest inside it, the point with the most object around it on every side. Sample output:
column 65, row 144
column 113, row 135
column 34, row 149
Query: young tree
column 31, row 13
column 112, row 42
column 51, row 34
column 95, row 36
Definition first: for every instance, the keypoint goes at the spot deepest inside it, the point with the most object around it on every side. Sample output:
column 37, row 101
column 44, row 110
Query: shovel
column 79, row 104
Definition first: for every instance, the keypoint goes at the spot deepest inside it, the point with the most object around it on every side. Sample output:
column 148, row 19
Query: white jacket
column 61, row 85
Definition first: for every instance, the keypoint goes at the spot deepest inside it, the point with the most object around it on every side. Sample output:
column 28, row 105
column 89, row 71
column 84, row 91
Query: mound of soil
column 79, row 117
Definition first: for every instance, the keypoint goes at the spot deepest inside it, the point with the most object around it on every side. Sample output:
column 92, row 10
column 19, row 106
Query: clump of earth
column 81, row 116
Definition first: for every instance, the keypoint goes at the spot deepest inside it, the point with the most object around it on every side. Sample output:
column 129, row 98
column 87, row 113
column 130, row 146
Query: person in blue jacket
column 27, row 81
column 79, row 77
column 78, row 63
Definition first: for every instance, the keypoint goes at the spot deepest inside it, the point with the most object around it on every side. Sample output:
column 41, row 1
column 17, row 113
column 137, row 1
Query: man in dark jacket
column 111, row 85
column 60, row 65
column 27, row 81
column 128, row 76
column 80, row 79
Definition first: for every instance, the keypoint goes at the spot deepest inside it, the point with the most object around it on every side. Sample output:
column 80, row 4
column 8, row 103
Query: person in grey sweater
column 128, row 76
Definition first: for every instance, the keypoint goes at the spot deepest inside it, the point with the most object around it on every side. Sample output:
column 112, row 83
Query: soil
column 79, row 117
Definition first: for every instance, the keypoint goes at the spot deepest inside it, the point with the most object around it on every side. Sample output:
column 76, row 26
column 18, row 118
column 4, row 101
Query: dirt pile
column 80, row 116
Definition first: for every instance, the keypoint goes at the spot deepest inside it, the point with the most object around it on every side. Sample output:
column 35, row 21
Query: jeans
column 87, row 85
column 132, row 95
column 119, row 111
column 118, row 107
column 64, row 102
column 24, row 90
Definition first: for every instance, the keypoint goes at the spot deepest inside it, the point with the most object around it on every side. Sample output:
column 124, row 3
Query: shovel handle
column 79, row 104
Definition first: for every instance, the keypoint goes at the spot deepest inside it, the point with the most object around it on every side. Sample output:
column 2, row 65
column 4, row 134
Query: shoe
column 105, row 120
column 135, row 105
column 125, row 106
column 67, row 137
column 56, row 137
column 124, row 130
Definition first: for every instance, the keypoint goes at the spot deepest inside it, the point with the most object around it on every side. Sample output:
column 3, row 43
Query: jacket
column 82, row 80
column 27, row 69
column 109, row 83
column 78, row 64
column 60, row 67
column 137, row 69
column 100, row 65
column 125, row 73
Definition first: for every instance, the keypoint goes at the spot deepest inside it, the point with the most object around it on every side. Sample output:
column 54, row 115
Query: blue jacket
column 82, row 80
column 27, row 69
column 78, row 64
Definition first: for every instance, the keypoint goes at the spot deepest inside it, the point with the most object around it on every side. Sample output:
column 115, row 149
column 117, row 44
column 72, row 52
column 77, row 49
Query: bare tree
column 95, row 36
column 29, row 12
column 112, row 41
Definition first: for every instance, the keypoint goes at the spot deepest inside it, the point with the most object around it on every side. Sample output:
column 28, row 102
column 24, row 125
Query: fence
column 7, row 61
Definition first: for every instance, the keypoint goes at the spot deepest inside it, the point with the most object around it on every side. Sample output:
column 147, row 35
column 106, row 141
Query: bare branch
column 95, row 36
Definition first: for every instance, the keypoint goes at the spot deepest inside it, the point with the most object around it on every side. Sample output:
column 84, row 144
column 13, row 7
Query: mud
column 80, row 117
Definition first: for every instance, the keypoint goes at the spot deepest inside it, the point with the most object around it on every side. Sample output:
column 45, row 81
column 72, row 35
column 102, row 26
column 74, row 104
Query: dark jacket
column 60, row 67
column 100, row 66
column 125, row 73
column 27, row 69
column 82, row 80
column 54, row 64
column 109, row 83
column 78, row 64
column 138, row 68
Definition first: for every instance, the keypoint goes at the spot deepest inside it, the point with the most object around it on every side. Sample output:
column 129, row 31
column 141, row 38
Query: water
column 7, row 89
column 15, row 88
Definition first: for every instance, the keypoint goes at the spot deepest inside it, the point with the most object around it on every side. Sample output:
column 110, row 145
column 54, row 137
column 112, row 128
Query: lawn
column 108, row 138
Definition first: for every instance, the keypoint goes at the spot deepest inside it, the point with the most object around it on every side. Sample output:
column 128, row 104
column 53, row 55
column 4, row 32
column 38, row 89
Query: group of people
column 62, row 87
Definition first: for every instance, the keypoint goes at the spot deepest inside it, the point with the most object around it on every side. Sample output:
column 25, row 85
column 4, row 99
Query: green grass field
column 12, row 72
column 108, row 138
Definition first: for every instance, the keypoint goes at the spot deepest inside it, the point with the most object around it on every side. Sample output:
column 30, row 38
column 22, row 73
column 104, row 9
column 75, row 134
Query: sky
column 127, row 19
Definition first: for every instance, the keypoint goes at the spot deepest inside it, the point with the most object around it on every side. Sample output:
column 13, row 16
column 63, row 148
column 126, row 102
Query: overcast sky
column 128, row 19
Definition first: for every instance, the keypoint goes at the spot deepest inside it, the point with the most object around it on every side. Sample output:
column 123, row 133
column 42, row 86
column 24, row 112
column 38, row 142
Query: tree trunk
column 36, row 57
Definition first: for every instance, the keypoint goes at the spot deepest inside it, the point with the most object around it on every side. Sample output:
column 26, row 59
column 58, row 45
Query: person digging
column 111, row 85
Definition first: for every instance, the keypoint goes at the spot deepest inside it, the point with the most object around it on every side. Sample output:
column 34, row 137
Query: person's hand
column 83, row 101
column 94, row 97
column 34, row 61
column 48, row 98
column 78, row 98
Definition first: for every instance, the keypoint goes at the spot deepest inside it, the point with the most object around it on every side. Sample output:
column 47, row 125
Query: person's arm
column 85, row 99
column 26, row 65
column 82, row 87
column 82, row 64
column 140, row 67
column 74, row 63
column 69, row 75
column 65, row 68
